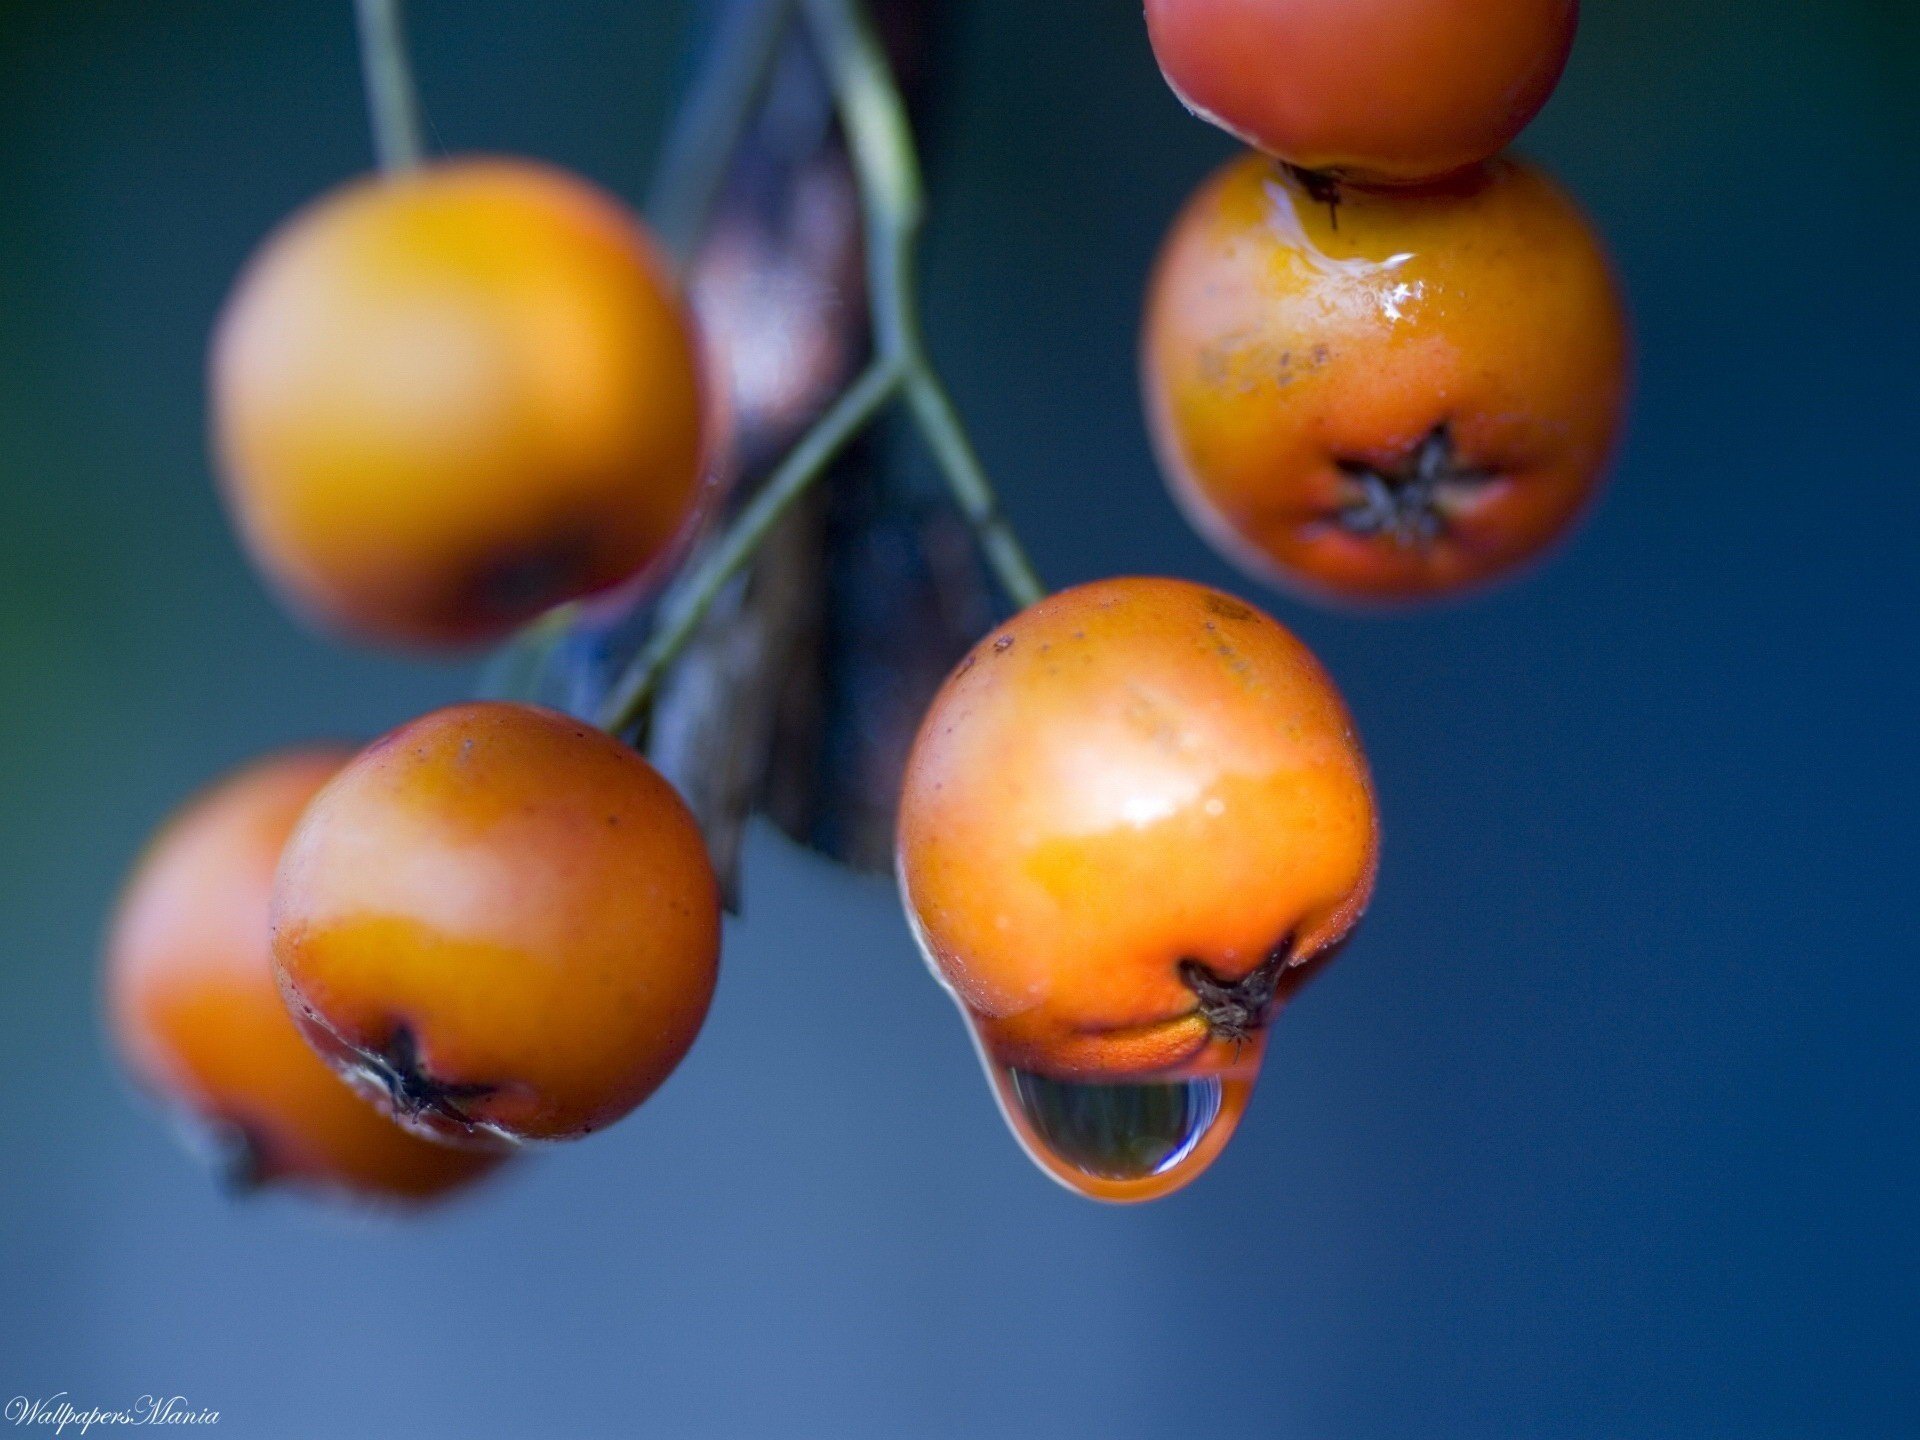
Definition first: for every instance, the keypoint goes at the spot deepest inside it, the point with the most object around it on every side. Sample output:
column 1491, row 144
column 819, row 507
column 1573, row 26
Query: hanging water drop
column 1123, row 1141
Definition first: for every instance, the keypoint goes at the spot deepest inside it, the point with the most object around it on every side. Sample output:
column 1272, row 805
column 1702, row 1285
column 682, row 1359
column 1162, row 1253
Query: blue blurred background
column 1603, row 1128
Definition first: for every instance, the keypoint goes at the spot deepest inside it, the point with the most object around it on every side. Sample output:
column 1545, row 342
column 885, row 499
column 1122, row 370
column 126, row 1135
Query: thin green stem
column 689, row 603
column 393, row 103
column 712, row 123
column 873, row 116
column 973, row 492
column 880, row 136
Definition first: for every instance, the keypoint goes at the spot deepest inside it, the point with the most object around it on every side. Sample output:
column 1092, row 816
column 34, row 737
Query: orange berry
column 1388, row 91
column 195, row 1013
column 1132, row 817
column 502, row 921
column 446, row 400
column 1383, row 395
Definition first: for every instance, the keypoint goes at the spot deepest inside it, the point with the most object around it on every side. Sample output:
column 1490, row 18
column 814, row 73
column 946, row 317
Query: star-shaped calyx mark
column 411, row 1091
column 1237, row 1010
column 1408, row 503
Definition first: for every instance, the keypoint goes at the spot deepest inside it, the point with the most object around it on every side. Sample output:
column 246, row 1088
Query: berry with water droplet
column 1383, row 395
column 195, row 1013
column 499, row 921
column 1133, row 819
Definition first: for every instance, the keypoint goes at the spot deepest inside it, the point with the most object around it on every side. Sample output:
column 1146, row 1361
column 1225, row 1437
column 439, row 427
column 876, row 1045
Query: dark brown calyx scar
column 518, row 581
column 1237, row 1010
column 410, row 1089
column 1407, row 503
column 1322, row 187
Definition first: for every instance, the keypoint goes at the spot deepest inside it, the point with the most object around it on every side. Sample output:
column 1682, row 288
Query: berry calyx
column 501, row 922
column 1410, row 503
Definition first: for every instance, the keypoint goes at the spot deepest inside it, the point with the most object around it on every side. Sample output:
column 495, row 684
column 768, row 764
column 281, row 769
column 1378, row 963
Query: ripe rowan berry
column 1131, row 819
column 501, row 921
column 1387, row 91
column 448, row 399
column 195, row 1013
column 1383, row 394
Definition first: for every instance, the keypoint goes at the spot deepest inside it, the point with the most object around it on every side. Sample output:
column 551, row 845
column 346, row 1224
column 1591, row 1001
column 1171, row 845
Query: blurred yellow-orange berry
column 448, row 399
column 196, row 1015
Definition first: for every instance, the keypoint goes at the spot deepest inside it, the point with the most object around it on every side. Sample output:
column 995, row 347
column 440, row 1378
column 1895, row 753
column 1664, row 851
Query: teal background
column 1603, row 1128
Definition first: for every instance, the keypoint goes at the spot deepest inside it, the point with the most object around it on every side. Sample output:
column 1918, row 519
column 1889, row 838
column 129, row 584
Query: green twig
column 687, row 606
column 972, row 491
column 873, row 116
column 880, row 136
column 393, row 103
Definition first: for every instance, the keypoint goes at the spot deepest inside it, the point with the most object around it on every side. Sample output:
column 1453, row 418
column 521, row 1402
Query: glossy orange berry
column 502, row 921
column 1388, row 91
column 446, row 400
column 1132, row 818
column 195, row 1013
column 1383, row 395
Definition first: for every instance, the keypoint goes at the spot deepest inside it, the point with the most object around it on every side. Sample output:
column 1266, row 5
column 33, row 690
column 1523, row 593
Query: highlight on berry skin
column 1369, row 395
column 447, row 399
column 196, row 1017
column 1383, row 92
column 499, row 923
column 1135, row 819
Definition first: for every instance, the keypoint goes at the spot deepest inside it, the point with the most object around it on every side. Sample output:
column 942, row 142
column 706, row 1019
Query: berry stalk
column 393, row 102
column 873, row 117
column 689, row 601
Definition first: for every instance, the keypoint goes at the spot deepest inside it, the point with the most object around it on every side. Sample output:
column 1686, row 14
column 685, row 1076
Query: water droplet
column 1122, row 1142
